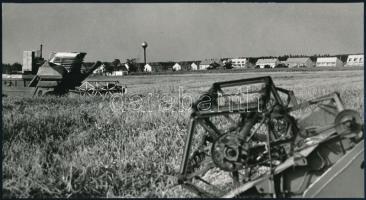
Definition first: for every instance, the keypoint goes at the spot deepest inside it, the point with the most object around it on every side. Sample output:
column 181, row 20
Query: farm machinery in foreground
column 63, row 73
column 254, row 141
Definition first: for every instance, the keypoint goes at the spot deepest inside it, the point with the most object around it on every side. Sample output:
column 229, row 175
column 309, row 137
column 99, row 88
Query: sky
column 182, row 31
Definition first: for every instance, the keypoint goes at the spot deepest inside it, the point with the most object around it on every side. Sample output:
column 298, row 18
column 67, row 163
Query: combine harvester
column 266, row 144
column 60, row 75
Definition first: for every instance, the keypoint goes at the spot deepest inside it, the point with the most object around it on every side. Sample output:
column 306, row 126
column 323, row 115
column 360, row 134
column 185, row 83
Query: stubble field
column 112, row 147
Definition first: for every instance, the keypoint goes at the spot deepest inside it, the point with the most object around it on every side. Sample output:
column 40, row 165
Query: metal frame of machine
column 264, row 151
column 60, row 75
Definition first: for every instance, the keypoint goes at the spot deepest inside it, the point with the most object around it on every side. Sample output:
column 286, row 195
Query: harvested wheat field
column 76, row 146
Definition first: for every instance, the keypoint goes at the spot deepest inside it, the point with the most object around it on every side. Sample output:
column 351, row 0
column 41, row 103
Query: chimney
column 40, row 55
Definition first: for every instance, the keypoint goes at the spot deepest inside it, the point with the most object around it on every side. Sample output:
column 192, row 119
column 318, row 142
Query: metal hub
column 228, row 152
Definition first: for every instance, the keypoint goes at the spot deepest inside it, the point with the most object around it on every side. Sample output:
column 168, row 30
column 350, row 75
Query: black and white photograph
column 183, row 100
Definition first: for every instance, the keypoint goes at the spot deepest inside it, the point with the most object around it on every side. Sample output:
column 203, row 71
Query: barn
column 267, row 63
column 299, row 62
column 328, row 62
column 355, row 60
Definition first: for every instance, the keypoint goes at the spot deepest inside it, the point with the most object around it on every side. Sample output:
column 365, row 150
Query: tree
column 283, row 58
column 16, row 67
column 228, row 64
column 116, row 64
column 7, row 68
column 132, row 65
column 108, row 67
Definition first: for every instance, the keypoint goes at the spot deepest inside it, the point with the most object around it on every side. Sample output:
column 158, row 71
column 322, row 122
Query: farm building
column 239, row 62
column 210, row 63
column 194, row 66
column 147, row 68
column 267, row 63
column 177, row 67
column 328, row 62
column 354, row 60
column 99, row 70
column 118, row 73
column 299, row 62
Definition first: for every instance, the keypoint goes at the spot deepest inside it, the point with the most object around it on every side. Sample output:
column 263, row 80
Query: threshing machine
column 249, row 138
column 63, row 73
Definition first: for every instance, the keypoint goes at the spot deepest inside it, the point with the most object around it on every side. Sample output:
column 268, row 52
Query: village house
column 328, row 62
column 177, row 67
column 299, row 62
column 267, row 63
column 185, row 65
column 239, row 62
column 147, row 68
column 194, row 66
column 100, row 69
column 204, row 65
column 355, row 60
column 210, row 63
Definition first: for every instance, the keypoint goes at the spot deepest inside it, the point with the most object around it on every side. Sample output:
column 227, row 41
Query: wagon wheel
column 108, row 92
column 96, row 92
column 83, row 92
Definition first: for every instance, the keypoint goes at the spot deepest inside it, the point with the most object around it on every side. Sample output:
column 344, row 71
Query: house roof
column 210, row 61
column 296, row 60
column 326, row 59
column 267, row 60
column 355, row 56
column 195, row 62
column 238, row 59
column 153, row 64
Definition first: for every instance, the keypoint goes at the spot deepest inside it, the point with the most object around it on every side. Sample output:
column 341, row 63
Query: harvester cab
column 249, row 138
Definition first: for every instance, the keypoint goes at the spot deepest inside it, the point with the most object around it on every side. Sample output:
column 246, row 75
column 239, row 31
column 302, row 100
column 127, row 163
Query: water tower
column 144, row 46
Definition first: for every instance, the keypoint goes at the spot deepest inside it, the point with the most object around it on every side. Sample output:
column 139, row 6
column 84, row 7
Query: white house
column 328, row 62
column 205, row 64
column 177, row 67
column 194, row 66
column 239, row 62
column 99, row 70
column 147, row 68
column 118, row 73
column 354, row 60
column 299, row 62
column 267, row 63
